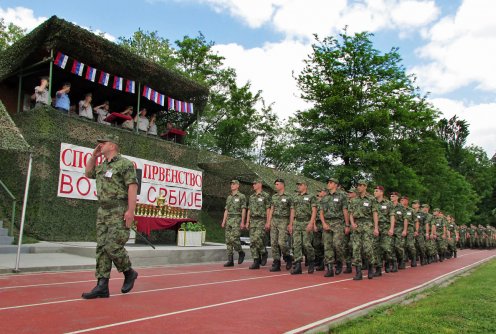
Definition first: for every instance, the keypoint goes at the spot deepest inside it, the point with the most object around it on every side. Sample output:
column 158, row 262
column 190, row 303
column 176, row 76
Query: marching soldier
column 472, row 234
column 400, row 228
column 348, row 245
column 301, row 227
column 256, row 219
column 278, row 224
column 233, row 222
column 419, row 218
column 430, row 243
column 335, row 223
column 410, row 232
column 317, row 243
column 365, row 225
column 480, row 236
column 439, row 233
column 463, row 236
column 452, row 235
column 384, row 243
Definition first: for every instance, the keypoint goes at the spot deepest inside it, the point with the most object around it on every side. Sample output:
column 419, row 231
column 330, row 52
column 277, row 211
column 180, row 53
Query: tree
column 9, row 34
column 453, row 133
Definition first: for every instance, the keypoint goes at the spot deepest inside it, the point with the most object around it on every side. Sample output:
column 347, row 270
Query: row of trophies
column 161, row 210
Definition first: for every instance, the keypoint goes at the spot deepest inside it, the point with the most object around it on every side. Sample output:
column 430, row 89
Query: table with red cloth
column 147, row 224
column 117, row 118
column 175, row 135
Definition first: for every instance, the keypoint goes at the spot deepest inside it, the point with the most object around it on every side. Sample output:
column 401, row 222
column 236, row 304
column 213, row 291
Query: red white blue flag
column 117, row 83
column 153, row 95
column 171, row 104
column 77, row 68
column 61, row 60
column 130, row 86
column 104, row 78
column 161, row 100
column 147, row 92
column 190, row 108
column 90, row 73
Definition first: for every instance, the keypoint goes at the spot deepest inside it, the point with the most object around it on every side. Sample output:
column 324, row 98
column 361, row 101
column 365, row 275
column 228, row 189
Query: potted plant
column 190, row 234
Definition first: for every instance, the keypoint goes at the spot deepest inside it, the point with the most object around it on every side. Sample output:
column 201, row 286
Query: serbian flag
column 90, row 73
column 157, row 98
column 104, row 78
column 61, row 60
column 161, row 100
column 170, row 104
column 117, row 83
column 77, row 68
column 130, row 86
column 153, row 95
column 190, row 108
column 178, row 106
column 147, row 92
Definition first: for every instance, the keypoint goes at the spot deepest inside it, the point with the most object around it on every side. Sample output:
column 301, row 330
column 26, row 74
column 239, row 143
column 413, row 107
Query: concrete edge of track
column 325, row 327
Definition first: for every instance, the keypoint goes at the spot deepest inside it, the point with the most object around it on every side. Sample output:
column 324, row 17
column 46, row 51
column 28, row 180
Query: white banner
column 182, row 187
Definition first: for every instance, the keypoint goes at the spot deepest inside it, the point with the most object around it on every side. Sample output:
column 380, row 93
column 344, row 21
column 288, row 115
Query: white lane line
column 144, row 291
column 119, row 278
column 207, row 306
column 377, row 301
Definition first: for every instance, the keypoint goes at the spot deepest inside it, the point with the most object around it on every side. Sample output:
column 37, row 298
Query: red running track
column 205, row 298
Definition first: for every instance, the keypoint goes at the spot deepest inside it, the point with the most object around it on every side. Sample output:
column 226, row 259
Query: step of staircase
column 6, row 240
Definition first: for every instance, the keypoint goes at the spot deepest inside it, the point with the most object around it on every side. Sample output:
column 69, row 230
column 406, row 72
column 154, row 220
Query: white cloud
column 460, row 50
column 480, row 117
column 21, row 17
column 253, row 12
column 269, row 68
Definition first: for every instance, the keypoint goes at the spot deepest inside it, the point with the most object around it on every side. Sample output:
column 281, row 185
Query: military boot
column 414, row 262
column 329, row 270
column 255, row 264
column 276, row 266
column 394, row 269
column 348, row 268
column 370, row 271
column 230, row 261
column 311, row 267
column 99, row 291
column 339, row 267
column 454, row 254
column 306, row 261
column 358, row 274
column 241, row 257
column 441, row 257
column 296, row 268
column 289, row 261
column 387, row 266
column 263, row 261
column 378, row 271
column 129, row 277
column 402, row 264
column 320, row 265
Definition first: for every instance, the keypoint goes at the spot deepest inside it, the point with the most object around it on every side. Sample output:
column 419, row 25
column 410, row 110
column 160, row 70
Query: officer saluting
column 117, row 186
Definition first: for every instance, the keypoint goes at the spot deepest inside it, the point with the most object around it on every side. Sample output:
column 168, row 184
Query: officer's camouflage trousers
column 348, row 247
column 302, row 241
column 451, row 246
column 410, row 245
column 257, row 234
column 462, row 242
column 383, row 247
column 363, row 243
column 317, row 242
column 111, row 236
column 472, row 241
column 431, row 247
column 334, row 242
column 279, row 237
column 398, row 245
column 421, row 246
column 233, row 232
column 441, row 245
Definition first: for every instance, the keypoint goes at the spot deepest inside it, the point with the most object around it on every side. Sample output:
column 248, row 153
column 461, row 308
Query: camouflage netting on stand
column 11, row 138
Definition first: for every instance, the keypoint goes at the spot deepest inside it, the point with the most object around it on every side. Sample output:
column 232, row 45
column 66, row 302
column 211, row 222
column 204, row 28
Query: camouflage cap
column 395, row 193
column 234, row 181
column 301, row 181
column 109, row 138
column 363, row 181
column 437, row 209
column 426, row 205
column 279, row 180
column 257, row 181
column 332, row 179
column 352, row 190
column 321, row 189
column 416, row 201
column 404, row 197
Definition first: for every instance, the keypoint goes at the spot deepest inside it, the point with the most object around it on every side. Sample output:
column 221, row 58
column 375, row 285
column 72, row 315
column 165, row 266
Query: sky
column 448, row 44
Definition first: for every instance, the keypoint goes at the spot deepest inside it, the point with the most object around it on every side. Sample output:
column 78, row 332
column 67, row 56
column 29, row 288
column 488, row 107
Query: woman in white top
column 152, row 130
column 85, row 109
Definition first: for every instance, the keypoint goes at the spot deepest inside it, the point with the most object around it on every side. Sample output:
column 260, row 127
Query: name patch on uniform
column 306, row 198
column 260, row 199
column 236, row 199
column 384, row 207
column 365, row 204
column 108, row 173
column 283, row 200
column 418, row 217
column 336, row 200
column 398, row 212
column 408, row 213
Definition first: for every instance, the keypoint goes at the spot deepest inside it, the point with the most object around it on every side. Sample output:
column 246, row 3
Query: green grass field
column 466, row 305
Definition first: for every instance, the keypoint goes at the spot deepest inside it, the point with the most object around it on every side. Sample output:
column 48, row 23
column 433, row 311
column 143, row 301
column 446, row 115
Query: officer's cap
column 257, row 181
column 109, row 138
column 426, row 206
column 302, row 181
column 332, row 179
column 437, row 209
column 395, row 193
column 416, row 201
column 279, row 180
column 404, row 197
column 381, row 188
column 363, row 181
column 234, row 181
column 352, row 190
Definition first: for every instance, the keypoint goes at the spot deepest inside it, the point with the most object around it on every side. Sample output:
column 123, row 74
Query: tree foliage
column 9, row 34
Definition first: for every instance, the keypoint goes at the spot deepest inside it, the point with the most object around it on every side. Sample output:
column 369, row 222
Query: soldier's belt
column 306, row 218
column 233, row 214
column 280, row 217
column 258, row 217
column 113, row 204
column 362, row 219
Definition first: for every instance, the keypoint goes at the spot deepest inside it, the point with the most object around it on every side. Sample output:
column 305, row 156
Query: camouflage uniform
column 258, row 205
column 420, row 243
column 398, row 211
column 430, row 243
column 480, row 236
column 281, row 204
column 362, row 209
column 472, row 240
column 451, row 240
column 383, row 245
column 112, row 180
column 332, row 206
column 317, row 244
column 440, row 223
column 303, row 205
column 235, row 204
column 410, row 239
column 462, row 243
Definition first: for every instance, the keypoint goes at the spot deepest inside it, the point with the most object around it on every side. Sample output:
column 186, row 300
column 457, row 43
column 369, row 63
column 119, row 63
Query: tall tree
column 151, row 46
column 9, row 34
column 453, row 133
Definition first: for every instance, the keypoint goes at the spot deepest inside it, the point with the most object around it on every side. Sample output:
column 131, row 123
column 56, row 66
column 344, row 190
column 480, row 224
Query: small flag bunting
column 117, row 83
column 90, row 73
column 77, row 68
column 104, row 78
column 130, row 86
column 61, row 60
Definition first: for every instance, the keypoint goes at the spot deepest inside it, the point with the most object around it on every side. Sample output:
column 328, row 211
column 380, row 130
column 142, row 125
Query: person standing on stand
column 233, row 222
column 117, row 188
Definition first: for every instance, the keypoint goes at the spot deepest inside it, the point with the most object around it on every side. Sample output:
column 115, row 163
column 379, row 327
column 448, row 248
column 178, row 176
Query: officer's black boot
column 441, row 257
column 370, row 271
column 306, row 261
column 263, row 261
column 320, row 265
column 402, row 264
column 348, row 268
column 339, row 267
column 329, row 271
column 454, row 253
column 387, row 266
column 296, row 269
column 358, row 275
column 276, row 266
column 289, row 261
column 414, row 262
column 311, row 267
column 255, row 264
column 395, row 266
column 99, row 291
column 378, row 271
column 130, row 276
column 230, row 261
column 241, row 257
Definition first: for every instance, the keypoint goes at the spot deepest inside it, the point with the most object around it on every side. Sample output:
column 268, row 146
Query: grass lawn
column 466, row 305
